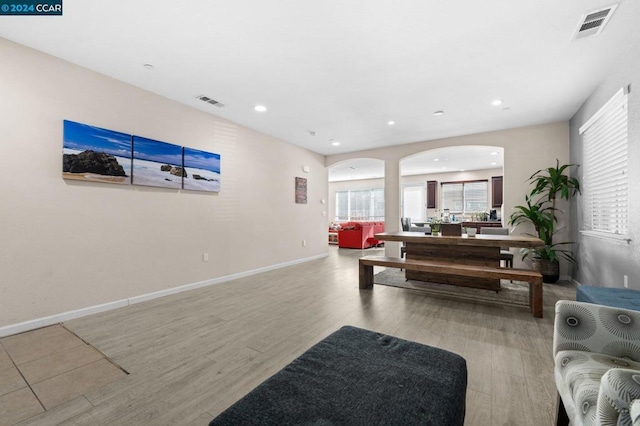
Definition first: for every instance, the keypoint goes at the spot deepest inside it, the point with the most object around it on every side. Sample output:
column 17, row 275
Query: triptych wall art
column 101, row 155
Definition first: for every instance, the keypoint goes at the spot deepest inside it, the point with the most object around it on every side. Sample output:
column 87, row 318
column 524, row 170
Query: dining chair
column 405, row 222
column 505, row 254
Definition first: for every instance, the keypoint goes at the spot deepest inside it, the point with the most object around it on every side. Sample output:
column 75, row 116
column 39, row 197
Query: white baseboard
column 69, row 315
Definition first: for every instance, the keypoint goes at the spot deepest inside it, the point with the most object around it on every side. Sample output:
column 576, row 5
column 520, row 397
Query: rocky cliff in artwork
column 92, row 162
column 178, row 171
column 198, row 177
column 174, row 170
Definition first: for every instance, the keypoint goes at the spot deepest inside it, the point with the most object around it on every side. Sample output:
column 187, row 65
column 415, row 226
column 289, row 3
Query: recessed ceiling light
column 149, row 66
column 437, row 113
column 391, row 123
column 312, row 132
column 495, row 153
column 335, row 143
column 496, row 102
column 493, row 164
column 436, row 159
column 260, row 108
column 462, row 170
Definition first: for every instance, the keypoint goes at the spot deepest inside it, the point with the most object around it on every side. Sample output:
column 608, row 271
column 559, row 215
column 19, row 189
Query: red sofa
column 359, row 235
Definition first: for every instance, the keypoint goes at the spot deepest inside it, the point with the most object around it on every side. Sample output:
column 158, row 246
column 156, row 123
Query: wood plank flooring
column 193, row 354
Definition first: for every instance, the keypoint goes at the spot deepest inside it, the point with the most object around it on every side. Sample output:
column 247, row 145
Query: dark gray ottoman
column 358, row 377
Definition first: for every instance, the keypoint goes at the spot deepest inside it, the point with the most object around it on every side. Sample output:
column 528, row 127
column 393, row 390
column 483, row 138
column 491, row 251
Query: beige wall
column 526, row 150
column 69, row 245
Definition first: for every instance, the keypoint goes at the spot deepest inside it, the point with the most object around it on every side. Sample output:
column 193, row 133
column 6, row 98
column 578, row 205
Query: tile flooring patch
column 45, row 368
column 58, row 363
column 10, row 380
column 40, row 343
column 74, row 383
column 5, row 361
column 18, row 405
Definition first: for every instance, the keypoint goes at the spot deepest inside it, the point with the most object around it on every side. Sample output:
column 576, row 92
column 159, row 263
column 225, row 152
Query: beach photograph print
column 202, row 170
column 157, row 163
column 94, row 154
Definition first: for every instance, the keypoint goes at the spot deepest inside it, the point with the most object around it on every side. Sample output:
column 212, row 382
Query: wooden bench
column 448, row 268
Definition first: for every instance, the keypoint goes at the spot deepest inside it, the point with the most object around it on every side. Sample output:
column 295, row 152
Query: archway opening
column 356, row 190
column 465, row 180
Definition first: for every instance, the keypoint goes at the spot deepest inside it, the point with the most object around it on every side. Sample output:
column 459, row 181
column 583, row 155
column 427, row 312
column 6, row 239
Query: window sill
column 607, row 236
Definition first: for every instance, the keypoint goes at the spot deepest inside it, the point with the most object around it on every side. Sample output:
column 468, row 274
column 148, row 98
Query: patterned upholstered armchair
column 597, row 364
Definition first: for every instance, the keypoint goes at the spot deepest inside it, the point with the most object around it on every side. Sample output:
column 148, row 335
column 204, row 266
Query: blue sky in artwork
column 203, row 160
column 83, row 137
column 160, row 152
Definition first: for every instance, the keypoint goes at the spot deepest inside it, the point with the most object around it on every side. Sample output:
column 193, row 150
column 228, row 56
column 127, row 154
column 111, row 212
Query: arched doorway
column 467, row 180
column 356, row 190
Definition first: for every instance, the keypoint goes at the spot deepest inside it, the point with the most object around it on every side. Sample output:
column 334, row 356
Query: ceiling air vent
column 593, row 22
column 210, row 101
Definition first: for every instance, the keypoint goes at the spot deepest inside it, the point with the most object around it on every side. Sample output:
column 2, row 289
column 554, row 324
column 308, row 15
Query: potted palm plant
column 542, row 214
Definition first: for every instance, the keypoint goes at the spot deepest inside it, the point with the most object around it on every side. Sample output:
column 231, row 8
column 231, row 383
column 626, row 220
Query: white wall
column 526, row 150
column 67, row 245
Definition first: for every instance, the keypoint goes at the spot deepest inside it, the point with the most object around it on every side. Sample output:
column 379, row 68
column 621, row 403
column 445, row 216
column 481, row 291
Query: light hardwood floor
column 193, row 354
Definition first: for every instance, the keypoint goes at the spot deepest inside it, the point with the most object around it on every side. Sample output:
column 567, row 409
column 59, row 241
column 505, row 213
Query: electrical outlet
column 205, row 257
column 626, row 281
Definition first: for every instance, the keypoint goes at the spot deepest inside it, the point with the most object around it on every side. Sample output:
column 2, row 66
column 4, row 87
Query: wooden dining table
column 481, row 250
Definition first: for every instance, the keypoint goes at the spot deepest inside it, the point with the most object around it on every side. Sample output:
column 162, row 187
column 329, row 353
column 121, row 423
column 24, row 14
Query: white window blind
column 452, row 197
column 605, row 161
column 465, row 197
column 475, row 196
column 363, row 204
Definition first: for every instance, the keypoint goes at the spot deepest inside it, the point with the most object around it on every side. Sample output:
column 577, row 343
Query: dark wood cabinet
column 496, row 191
column 432, row 192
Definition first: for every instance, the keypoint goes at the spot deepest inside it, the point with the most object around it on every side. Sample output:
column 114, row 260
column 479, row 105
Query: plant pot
column 550, row 269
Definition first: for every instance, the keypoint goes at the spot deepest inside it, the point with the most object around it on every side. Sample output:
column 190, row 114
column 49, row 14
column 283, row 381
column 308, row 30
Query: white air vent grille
column 210, row 101
column 593, row 23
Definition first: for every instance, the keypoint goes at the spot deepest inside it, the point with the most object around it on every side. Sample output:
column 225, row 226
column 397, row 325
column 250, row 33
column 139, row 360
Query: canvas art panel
column 157, row 163
column 202, row 170
column 95, row 154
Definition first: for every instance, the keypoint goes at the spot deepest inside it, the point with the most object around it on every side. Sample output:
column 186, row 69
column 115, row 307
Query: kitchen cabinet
column 496, row 191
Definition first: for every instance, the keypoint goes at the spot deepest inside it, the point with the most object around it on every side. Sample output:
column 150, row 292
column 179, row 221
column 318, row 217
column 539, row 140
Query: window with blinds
column 465, row 197
column 363, row 204
column 453, row 197
column 605, row 184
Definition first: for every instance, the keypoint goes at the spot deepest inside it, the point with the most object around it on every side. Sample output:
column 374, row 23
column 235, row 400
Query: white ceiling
column 343, row 69
column 441, row 160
